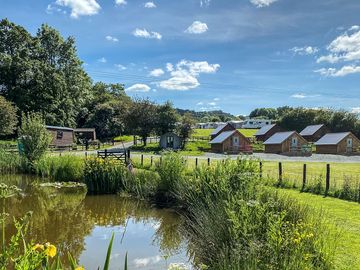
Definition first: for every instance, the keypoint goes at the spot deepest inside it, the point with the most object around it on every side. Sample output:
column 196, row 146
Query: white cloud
column 333, row 72
column 110, row 38
column 307, row 50
column 204, row 3
column 212, row 103
column 197, row 27
column 143, row 262
column 120, row 2
column 157, row 72
column 139, row 87
column 149, row 5
column 146, row 34
column 102, row 60
column 169, row 67
column 120, row 67
column 355, row 110
column 345, row 47
column 80, row 7
column 302, row 96
column 184, row 76
column 262, row 3
column 216, row 99
column 200, row 103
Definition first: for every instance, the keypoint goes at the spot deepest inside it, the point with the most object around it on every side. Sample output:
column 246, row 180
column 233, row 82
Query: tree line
column 298, row 118
column 43, row 74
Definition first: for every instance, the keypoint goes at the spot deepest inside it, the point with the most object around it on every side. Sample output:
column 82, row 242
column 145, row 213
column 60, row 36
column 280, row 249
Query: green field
column 206, row 132
column 345, row 217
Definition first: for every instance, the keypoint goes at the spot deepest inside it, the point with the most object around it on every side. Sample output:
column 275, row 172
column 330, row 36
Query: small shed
column 85, row 133
column 170, row 140
column 338, row 143
column 220, row 129
column 231, row 142
column 289, row 142
column 61, row 136
column 266, row 132
column 314, row 132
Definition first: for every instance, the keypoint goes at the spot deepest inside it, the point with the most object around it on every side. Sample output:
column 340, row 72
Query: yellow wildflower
column 79, row 268
column 50, row 250
column 38, row 247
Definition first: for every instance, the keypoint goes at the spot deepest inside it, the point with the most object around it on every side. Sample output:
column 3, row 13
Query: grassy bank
column 345, row 217
column 232, row 220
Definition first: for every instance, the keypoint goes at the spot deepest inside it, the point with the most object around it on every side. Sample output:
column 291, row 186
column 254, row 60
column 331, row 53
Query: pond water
column 83, row 225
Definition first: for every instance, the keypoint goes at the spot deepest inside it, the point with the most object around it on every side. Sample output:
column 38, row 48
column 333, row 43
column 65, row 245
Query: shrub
column 103, row 176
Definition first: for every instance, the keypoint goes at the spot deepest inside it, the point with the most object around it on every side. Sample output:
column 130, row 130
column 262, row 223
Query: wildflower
column 38, row 247
column 79, row 268
column 50, row 250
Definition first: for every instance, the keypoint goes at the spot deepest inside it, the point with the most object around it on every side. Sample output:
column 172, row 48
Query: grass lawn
column 124, row 138
column 346, row 217
column 316, row 171
column 206, row 132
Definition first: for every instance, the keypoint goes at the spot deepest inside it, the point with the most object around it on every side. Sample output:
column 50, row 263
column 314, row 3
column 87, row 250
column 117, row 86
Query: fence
column 339, row 180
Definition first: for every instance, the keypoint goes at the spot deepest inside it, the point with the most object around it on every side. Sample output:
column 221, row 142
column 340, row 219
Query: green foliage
column 9, row 162
column 42, row 73
column 34, row 137
column 166, row 118
column 103, row 176
column 66, row 168
column 185, row 128
column 267, row 113
column 8, row 117
column 124, row 138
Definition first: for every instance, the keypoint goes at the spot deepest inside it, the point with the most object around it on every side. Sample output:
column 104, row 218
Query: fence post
column 128, row 154
column 86, row 155
column 261, row 169
column 208, row 161
column 304, row 178
column 327, row 184
column 160, row 160
column 106, row 153
column 151, row 161
column 142, row 160
column 280, row 174
column 196, row 162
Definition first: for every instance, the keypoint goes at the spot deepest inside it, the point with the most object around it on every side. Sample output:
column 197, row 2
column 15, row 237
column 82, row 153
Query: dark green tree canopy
column 42, row 73
column 8, row 117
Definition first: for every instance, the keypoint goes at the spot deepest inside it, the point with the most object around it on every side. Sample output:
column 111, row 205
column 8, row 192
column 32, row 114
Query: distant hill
column 209, row 116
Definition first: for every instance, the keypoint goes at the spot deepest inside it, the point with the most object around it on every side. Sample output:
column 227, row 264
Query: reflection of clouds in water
column 178, row 266
column 142, row 262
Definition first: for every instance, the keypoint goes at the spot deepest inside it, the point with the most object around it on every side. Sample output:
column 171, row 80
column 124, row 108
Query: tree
column 185, row 127
column 34, row 137
column 268, row 113
column 141, row 118
column 166, row 118
column 42, row 73
column 8, row 117
column 297, row 119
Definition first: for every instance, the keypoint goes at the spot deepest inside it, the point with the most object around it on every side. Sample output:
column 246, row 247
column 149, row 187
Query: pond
column 83, row 225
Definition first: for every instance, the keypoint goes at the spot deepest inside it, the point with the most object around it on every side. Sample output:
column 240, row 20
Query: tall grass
column 9, row 162
column 66, row 168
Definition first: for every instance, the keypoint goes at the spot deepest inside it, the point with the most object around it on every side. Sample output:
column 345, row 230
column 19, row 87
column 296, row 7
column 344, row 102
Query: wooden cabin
column 288, row 143
column 231, row 142
column 220, row 129
column 61, row 136
column 266, row 132
column 170, row 140
column 314, row 132
column 338, row 143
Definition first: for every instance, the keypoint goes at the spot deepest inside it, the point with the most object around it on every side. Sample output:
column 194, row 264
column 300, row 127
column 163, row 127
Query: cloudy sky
column 233, row 55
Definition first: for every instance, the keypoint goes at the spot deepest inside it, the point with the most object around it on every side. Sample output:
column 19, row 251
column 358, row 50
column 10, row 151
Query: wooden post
column 86, row 155
column 304, row 178
column 261, row 169
column 160, row 160
column 208, row 161
column 128, row 154
column 327, row 184
column 151, row 161
column 196, row 162
column 280, row 173
column 106, row 153
column 142, row 160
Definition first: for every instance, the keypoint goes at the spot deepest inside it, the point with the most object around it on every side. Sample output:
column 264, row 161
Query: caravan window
column 59, row 135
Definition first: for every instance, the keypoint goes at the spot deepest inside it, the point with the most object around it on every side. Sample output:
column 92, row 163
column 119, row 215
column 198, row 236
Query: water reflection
column 83, row 226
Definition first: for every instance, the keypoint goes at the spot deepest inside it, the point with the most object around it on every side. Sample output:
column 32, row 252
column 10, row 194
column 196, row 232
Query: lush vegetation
column 203, row 133
column 232, row 219
column 8, row 117
column 342, row 216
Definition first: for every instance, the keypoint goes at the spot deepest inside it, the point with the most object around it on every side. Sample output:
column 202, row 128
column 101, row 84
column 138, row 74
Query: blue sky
column 234, row 55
